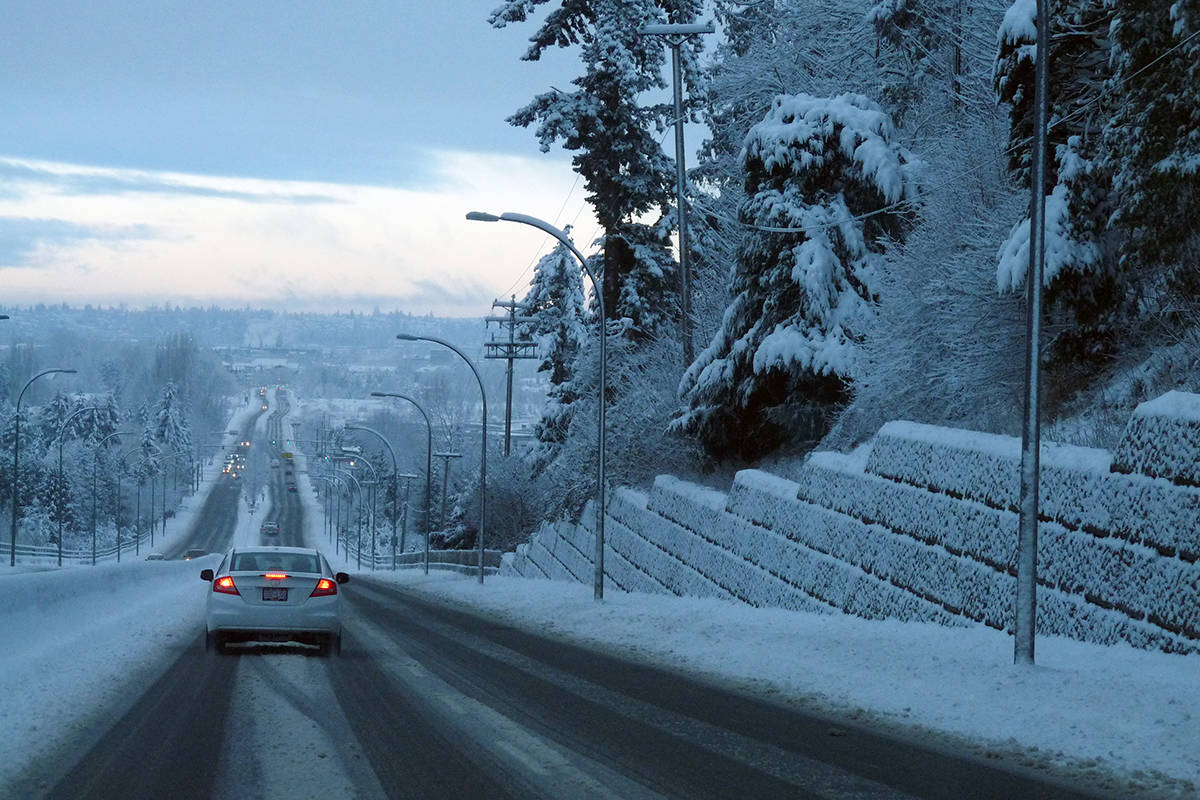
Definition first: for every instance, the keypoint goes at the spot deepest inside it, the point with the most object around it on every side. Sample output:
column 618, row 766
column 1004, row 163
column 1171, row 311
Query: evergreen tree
column 171, row 427
column 624, row 169
column 788, row 344
column 555, row 302
column 1085, row 299
column 1152, row 140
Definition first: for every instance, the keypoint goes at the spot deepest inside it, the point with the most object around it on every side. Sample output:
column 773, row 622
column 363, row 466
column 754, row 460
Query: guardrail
column 48, row 553
column 466, row 561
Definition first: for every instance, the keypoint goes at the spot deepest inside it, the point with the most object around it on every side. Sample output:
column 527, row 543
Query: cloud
column 22, row 237
column 103, row 235
column 109, row 181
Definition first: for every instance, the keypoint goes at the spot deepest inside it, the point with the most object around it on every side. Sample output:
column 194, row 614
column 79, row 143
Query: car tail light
column 225, row 585
column 325, row 587
column 275, row 576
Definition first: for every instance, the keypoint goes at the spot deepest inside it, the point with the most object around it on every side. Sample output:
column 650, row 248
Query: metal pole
column 428, row 467
column 16, row 483
column 63, row 480
column 685, row 282
column 392, row 453
column 1026, row 600
column 512, row 341
column 483, row 443
column 542, row 225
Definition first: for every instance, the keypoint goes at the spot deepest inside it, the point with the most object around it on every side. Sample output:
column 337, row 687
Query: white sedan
column 274, row 594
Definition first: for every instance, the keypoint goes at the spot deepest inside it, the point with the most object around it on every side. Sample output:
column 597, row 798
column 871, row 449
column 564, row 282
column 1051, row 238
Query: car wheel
column 336, row 644
column 217, row 643
column 208, row 641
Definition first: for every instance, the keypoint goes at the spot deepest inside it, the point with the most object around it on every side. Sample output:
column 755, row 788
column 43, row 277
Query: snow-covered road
column 89, row 648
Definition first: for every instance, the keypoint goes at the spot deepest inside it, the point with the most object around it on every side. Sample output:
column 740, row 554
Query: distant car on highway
column 156, row 557
column 274, row 594
column 270, row 528
column 188, row 555
column 291, row 487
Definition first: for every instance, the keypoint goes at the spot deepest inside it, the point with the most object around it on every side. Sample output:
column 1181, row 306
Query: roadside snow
column 1115, row 717
column 78, row 642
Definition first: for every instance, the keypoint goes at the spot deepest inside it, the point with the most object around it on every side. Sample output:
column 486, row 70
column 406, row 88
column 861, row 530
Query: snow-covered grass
column 1116, row 717
column 77, row 641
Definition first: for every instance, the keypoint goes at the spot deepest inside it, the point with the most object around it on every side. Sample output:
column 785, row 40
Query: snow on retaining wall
column 923, row 528
column 1076, row 490
column 1162, row 439
column 871, row 580
column 1109, row 572
column 1127, row 592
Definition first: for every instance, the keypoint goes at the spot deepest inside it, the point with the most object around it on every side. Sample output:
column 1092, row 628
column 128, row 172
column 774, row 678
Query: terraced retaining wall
column 921, row 524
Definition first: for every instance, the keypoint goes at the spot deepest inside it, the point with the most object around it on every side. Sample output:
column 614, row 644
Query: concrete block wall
column 923, row 528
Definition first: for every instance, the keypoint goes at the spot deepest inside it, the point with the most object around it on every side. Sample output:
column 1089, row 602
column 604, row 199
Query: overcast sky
column 300, row 154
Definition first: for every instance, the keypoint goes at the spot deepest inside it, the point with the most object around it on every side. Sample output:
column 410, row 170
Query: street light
column 137, row 533
column 95, row 465
column 61, row 478
column 370, row 494
column 16, row 485
column 408, row 337
column 358, row 488
column 395, row 487
column 404, row 530
column 676, row 35
column 542, row 225
column 428, row 466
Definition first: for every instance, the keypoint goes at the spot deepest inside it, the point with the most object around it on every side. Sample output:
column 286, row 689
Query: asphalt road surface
column 428, row 701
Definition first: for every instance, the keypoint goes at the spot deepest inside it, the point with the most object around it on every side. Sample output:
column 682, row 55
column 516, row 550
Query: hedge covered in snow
column 1076, row 490
column 1162, row 439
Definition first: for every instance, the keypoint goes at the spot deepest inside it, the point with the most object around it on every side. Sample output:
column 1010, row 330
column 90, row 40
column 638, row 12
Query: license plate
column 274, row 593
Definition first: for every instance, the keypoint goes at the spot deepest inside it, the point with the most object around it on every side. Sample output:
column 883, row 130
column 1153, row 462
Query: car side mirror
column 206, row 574
column 341, row 577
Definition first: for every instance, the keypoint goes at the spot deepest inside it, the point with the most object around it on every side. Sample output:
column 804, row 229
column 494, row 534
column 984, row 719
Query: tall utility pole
column 676, row 35
column 509, row 349
column 445, row 457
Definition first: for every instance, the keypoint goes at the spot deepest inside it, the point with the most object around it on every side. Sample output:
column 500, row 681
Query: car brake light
column 225, row 585
column 325, row 587
column 275, row 576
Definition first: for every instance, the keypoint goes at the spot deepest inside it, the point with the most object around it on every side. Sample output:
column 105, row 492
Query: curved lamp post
column 358, row 488
column 428, row 466
column 95, row 463
column 370, row 494
column 395, row 488
column 136, row 521
column 63, row 481
column 407, row 337
column 16, row 484
column 542, row 225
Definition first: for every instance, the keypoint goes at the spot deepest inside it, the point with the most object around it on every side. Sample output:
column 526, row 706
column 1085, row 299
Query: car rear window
column 286, row 562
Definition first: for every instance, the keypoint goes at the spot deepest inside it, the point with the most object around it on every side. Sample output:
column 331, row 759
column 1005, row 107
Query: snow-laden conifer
column 627, row 175
column 555, row 302
column 827, row 175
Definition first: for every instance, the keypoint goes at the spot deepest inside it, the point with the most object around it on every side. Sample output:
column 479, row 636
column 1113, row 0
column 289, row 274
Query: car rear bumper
column 245, row 618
